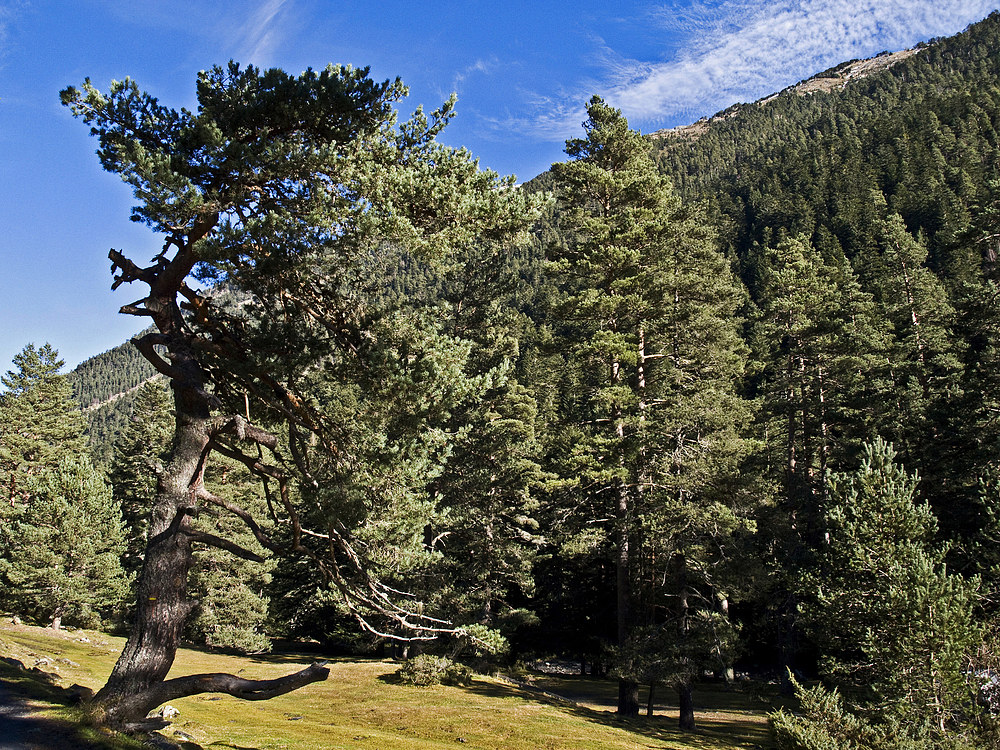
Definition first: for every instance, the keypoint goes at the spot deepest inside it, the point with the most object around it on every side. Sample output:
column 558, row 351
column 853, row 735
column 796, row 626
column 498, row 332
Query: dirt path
column 22, row 729
column 18, row 729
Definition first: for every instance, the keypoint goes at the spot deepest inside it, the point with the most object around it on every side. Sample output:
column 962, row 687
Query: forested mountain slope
column 104, row 386
column 920, row 135
column 891, row 184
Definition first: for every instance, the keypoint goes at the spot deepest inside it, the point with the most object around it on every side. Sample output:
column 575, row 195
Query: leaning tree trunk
column 162, row 606
column 137, row 683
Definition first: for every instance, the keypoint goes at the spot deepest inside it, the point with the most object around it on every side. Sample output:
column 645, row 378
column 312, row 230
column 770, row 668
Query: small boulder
column 168, row 712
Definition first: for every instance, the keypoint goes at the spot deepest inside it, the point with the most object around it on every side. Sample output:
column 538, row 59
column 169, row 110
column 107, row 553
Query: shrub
column 426, row 670
column 825, row 723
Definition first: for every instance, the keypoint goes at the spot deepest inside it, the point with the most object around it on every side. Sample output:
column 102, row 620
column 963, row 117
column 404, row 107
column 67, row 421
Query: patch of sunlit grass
column 361, row 705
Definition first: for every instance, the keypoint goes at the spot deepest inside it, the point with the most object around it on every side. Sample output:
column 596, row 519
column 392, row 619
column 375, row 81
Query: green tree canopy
column 39, row 422
column 63, row 548
column 895, row 628
column 297, row 193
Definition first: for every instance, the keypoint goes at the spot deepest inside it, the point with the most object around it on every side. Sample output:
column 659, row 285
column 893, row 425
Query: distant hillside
column 105, row 386
column 917, row 133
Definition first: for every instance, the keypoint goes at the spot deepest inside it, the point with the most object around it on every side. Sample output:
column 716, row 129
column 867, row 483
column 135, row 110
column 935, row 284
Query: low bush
column 434, row 670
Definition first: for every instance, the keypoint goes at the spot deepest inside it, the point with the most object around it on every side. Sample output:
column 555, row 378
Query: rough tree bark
column 136, row 684
column 273, row 183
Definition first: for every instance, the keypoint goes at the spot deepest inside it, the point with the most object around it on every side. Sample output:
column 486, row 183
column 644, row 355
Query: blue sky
column 522, row 72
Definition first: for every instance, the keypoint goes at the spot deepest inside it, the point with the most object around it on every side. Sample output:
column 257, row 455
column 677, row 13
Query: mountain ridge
column 832, row 79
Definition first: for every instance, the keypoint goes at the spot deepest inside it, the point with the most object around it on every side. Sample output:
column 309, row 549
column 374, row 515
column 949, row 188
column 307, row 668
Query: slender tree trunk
column 684, row 688
column 787, row 643
column 728, row 674
column 628, row 689
column 824, row 446
column 685, row 698
column 649, row 699
column 486, row 615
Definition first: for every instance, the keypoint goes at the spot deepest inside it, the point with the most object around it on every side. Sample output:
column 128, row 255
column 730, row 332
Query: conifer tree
column 894, row 627
column 925, row 355
column 818, row 344
column 39, row 422
column 820, row 352
column 648, row 315
column 486, row 528
column 486, row 498
column 139, row 453
column 63, row 545
column 295, row 191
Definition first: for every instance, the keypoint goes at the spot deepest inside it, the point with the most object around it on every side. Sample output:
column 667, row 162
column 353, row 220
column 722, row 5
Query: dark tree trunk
column 628, row 697
column 628, row 690
column 649, row 699
column 162, row 604
column 684, row 688
column 787, row 644
column 136, row 685
column 685, row 699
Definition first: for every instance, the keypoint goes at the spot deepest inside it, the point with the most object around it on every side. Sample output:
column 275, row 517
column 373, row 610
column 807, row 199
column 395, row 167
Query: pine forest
column 715, row 406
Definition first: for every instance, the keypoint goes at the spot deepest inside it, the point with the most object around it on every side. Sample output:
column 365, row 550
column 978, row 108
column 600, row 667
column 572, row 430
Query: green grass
column 362, row 706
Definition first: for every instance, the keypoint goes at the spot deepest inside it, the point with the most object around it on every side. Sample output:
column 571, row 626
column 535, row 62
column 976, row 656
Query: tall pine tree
column 648, row 317
column 39, row 422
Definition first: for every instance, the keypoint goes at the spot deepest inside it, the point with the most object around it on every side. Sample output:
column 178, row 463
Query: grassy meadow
column 362, row 705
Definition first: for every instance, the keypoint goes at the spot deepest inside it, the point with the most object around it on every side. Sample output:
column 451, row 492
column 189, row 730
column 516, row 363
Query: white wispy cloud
column 259, row 36
column 481, row 65
column 742, row 50
column 769, row 47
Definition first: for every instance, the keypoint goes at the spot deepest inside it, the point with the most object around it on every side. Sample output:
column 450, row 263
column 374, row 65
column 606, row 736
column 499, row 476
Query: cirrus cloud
column 742, row 50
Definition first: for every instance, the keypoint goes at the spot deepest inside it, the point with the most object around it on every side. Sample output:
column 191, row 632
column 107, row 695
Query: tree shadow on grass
column 302, row 659
column 390, row 678
column 715, row 732
column 23, row 694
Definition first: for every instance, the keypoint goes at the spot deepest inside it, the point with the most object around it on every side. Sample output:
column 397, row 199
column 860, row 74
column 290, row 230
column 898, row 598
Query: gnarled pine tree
column 288, row 190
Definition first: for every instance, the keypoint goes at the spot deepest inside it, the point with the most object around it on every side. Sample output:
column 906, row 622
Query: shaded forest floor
column 360, row 705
